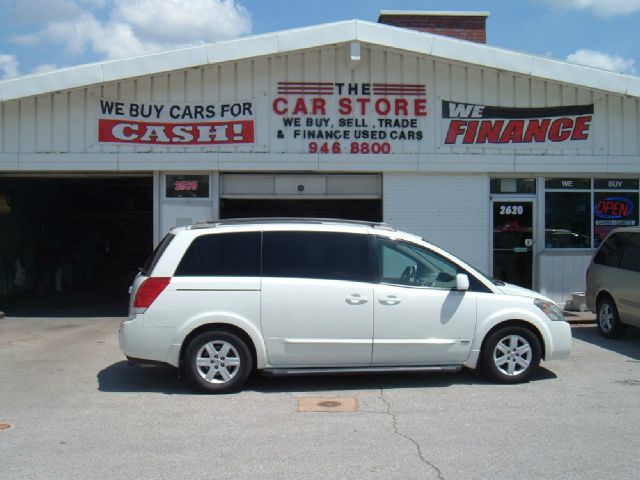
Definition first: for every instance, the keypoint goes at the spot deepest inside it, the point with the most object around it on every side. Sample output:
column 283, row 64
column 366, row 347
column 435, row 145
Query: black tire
column 510, row 355
column 607, row 318
column 228, row 368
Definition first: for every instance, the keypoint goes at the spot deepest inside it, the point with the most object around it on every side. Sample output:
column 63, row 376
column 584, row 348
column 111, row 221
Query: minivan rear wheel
column 510, row 355
column 217, row 361
column 608, row 320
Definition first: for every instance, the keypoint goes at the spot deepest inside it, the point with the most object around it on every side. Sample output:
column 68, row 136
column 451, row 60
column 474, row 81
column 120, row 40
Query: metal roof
column 288, row 41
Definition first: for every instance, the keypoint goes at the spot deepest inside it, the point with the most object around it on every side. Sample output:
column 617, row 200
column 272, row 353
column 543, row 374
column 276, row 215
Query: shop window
column 513, row 185
column 581, row 212
column 567, row 220
column 613, row 210
column 187, row 186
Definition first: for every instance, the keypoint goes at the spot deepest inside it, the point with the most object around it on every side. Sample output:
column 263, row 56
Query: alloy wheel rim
column 218, row 361
column 605, row 317
column 512, row 355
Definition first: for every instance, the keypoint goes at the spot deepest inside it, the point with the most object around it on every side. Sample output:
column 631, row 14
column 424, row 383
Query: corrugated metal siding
column 65, row 122
column 562, row 273
column 444, row 209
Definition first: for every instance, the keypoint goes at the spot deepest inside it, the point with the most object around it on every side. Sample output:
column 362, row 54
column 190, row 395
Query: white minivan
column 302, row 296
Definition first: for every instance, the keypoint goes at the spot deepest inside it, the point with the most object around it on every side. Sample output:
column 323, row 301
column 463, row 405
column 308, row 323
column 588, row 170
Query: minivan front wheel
column 510, row 355
column 217, row 362
column 608, row 320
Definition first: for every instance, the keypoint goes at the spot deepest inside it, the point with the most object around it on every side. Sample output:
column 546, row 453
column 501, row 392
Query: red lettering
column 383, row 106
column 489, row 131
column 536, row 130
column 581, row 129
column 363, row 105
column 560, row 129
column 472, row 129
column 512, row 133
column 401, row 107
column 420, row 107
column 318, row 106
column 301, row 107
column 456, row 128
column 280, row 105
column 344, row 106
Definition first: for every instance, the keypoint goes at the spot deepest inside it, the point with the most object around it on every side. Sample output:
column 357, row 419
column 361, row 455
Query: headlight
column 551, row 310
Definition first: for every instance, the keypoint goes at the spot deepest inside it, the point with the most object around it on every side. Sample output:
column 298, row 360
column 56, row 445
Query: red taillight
column 149, row 291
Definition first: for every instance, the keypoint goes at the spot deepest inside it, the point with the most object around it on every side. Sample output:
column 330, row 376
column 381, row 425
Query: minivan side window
column 222, row 254
column 406, row 264
column 611, row 250
column 631, row 255
column 320, row 255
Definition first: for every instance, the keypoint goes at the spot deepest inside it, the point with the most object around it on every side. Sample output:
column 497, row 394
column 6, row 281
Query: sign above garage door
column 176, row 124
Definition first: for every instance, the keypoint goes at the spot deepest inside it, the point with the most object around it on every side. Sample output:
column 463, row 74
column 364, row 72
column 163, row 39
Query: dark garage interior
column 70, row 246
column 369, row 210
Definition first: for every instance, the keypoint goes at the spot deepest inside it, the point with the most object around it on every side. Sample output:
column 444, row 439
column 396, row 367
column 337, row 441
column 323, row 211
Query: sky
column 38, row 36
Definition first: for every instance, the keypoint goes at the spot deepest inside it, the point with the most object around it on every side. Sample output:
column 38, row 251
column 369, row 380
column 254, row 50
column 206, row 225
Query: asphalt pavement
column 73, row 408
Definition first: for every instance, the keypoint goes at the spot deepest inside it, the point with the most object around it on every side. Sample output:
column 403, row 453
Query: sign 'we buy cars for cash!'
column 176, row 124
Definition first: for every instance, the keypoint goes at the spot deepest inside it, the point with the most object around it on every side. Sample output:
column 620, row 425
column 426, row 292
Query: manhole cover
column 5, row 426
column 629, row 381
column 327, row 404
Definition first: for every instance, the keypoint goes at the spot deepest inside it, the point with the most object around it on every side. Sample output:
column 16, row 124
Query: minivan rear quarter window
column 222, row 254
column 320, row 255
column 610, row 252
column 631, row 256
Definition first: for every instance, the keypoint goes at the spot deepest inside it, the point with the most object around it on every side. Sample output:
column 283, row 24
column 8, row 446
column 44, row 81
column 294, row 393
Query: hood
column 511, row 289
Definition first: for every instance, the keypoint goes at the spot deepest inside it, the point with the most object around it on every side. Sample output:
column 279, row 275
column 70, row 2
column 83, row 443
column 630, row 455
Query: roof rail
column 266, row 220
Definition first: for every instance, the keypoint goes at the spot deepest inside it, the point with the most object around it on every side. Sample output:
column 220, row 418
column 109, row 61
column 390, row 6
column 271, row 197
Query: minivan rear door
column 317, row 307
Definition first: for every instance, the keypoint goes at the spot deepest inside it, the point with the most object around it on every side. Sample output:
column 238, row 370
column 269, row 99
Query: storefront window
column 580, row 212
column 567, row 220
column 187, row 186
column 612, row 210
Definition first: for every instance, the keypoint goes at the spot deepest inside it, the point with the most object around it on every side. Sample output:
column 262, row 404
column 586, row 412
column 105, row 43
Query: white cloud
column 603, row 8
column 595, row 58
column 184, row 21
column 8, row 67
column 135, row 27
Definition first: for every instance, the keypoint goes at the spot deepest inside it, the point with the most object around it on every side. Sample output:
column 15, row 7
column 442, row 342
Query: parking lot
column 76, row 409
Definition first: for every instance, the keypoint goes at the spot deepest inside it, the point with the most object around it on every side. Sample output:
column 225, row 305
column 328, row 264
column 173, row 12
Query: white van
column 303, row 296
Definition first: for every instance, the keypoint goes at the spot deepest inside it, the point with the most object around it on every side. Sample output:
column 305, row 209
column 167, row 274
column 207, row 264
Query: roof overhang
column 289, row 41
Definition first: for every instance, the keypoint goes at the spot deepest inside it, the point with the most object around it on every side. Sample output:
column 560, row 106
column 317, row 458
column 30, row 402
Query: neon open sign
column 614, row 208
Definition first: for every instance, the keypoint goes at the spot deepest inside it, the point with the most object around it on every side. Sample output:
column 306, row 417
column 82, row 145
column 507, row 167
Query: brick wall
column 451, row 211
column 470, row 27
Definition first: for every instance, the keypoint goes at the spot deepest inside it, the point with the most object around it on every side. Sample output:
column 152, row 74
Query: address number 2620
column 511, row 209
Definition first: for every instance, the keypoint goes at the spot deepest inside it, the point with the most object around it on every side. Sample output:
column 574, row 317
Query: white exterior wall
column 563, row 273
column 451, row 211
column 58, row 131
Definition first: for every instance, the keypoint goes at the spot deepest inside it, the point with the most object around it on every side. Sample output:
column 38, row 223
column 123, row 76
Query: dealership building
column 517, row 163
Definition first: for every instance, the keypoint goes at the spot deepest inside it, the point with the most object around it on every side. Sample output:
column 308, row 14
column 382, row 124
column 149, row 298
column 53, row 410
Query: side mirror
column 462, row 282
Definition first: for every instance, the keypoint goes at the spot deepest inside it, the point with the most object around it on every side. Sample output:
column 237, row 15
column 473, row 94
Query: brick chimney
column 471, row 26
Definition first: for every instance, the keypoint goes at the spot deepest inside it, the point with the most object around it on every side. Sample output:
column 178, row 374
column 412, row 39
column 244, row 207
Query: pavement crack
column 396, row 430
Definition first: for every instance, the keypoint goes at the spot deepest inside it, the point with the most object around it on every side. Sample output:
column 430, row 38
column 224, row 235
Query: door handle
column 356, row 299
column 389, row 300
